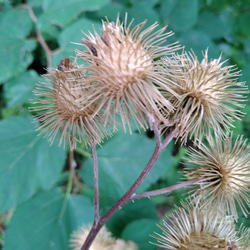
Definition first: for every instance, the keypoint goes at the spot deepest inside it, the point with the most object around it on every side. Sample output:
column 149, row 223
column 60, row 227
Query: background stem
column 39, row 35
column 96, row 185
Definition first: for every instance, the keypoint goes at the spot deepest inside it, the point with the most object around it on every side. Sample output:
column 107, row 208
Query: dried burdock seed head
column 123, row 63
column 226, row 168
column 243, row 235
column 104, row 240
column 190, row 227
column 60, row 107
column 210, row 95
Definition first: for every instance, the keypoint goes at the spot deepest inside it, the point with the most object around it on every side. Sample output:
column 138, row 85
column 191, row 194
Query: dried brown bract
column 226, row 168
column 122, row 62
column 190, row 227
column 210, row 96
column 61, row 107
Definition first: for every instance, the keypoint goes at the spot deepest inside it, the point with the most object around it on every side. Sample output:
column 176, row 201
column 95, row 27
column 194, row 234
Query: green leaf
column 27, row 162
column 199, row 41
column 83, row 208
column 148, row 14
column 46, row 221
column 111, row 11
column 129, row 213
column 15, row 50
column 19, row 90
column 238, row 127
column 16, row 62
column 65, row 5
column 139, row 231
column 34, row 3
column 15, row 23
column 60, row 13
column 122, row 160
column 123, row 2
column 73, row 34
column 212, row 25
column 180, row 15
column 244, row 20
column 149, row 4
column 245, row 75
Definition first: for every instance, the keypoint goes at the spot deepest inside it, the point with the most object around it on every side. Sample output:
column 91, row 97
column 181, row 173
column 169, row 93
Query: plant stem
column 96, row 183
column 128, row 195
column 39, row 35
column 167, row 189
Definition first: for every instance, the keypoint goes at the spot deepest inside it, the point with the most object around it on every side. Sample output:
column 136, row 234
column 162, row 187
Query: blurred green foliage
column 34, row 176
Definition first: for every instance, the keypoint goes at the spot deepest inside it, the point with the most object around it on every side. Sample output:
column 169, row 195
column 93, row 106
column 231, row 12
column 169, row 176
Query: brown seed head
column 226, row 166
column 122, row 62
column 61, row 109
column 195, row 228
column 210, row 96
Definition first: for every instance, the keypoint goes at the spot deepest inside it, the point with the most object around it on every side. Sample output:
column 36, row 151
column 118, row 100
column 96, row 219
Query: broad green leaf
column 139, row 231
column 226, row 49
column 224, row 4
column 34, row 3
column 15, row 56
column 148, row 14
column 110, row 10
column 60, row 13
column 83, row 209
column 129, row 213
column 149, row 4
column 245, row 75
column 15, row 23
column 199, row 41
column 75, row 32
column 5, row 3
column 121, row 161
column 19, row 90
column 212, row 25
column 27, row 162
column 243, row 23
column 46, row 221
column 180, row 15
column 8, row 112
column 15, row 50
column 86, row 5
column 71, row 35
column 240, row 56
column 123, row 2
column 238, row 127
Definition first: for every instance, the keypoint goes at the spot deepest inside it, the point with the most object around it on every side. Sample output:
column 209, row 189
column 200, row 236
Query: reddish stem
column 167, row 189
column 127, row 197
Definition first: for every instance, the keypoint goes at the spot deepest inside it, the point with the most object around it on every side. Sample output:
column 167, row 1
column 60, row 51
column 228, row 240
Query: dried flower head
column 103, row 241
column 194, row 228
column 60, row 107
column 244, row 238
column 226, row 166
column 210, row 95
column 122, row 62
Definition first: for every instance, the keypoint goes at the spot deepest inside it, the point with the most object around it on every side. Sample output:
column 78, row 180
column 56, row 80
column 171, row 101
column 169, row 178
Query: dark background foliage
column 38, row 209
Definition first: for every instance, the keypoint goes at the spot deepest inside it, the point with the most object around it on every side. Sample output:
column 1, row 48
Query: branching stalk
column 167, row 189
column 129, row 194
